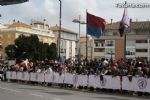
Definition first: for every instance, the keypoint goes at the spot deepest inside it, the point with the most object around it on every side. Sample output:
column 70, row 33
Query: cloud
column 71, row 9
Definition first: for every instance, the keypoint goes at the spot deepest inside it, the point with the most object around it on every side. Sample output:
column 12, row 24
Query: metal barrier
column 139, row 84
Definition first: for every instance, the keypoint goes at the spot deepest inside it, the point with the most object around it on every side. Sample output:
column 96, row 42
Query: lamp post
column 111, row 59
column 148, row 45
column 59, row 36
column 79, row 22
column 11, row 2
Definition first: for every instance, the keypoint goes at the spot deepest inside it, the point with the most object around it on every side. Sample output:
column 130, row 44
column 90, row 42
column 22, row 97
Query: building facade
column 68, row 42
column 111, row 45
column 82, row 47
column 11, row 32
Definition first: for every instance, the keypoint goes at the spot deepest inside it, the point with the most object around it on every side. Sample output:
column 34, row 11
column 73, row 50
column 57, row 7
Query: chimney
column 14, row 21
column 111, row 21
column 130, row 20
column 44, row 21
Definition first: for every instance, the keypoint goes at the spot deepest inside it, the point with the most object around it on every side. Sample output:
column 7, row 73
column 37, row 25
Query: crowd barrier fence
column 138, row 84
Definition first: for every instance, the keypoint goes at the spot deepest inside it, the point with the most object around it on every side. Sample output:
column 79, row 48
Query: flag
column 95, row 25
column 125, row 22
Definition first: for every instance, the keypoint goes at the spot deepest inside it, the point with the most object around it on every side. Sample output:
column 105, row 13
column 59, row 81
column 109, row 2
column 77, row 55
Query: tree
column 10, row 51
column 29, row 47
column 33, row 47
column 52, row 51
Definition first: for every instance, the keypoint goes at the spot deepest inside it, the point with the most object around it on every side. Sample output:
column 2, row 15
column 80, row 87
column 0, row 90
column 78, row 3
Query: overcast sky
column 71, row 9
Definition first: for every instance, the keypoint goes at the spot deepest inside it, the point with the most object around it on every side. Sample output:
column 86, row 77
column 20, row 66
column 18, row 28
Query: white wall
column 73, row 48
column 67, row 49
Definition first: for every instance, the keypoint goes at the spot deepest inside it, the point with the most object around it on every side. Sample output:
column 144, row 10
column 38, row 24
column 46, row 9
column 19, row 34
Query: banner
column 19, row 75
column 33, row 77
column 8, row 75
column 25, row 76
column 68, row 78
column 60, row 78
column 81, row 80
column 137, row 84
column 13, row 75
column 107, row 81
column 40, row 77
column 94, row 81
column 48, row 77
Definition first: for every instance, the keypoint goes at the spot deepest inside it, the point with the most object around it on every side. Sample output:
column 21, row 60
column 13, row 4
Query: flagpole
column 121, row 76
column 124, row 58
column 125, row 39
column 149, row 35
column 86, row 40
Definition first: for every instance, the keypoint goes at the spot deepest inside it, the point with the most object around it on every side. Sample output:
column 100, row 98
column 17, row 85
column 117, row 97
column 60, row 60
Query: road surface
column 16, row 91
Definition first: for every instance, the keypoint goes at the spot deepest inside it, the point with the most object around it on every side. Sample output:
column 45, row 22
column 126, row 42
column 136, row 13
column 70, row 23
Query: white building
column 9, row 33
column 68, row 42
column 112, row 45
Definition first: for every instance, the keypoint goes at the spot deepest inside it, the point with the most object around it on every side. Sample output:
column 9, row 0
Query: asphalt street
column 16, row 91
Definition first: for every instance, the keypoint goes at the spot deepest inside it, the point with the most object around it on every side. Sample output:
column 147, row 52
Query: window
column 108, row 34
column 141, row 41
column 99, row 43
column 61, row 51
column 141, row 32
column 62, row 43
column 130, row 43
column 109, row 51
column 0, row 35
column 98, row 50
column 109, row 43
column 141, row 50
column 130, row 51
column 115, row 33
column 96, row 44
column 69, row 36
column 64, row 50
column 144, row 58
column 9, row 36
column 41, row 26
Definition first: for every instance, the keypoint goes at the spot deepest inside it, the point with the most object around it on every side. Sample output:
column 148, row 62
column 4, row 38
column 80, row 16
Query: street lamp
column 79, row 22
column 59, row 36
column 10, row 2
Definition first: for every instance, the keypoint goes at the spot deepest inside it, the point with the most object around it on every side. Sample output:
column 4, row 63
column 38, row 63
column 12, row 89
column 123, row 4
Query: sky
column 71, row 9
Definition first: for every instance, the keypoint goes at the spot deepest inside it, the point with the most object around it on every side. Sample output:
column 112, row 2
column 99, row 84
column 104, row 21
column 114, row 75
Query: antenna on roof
column 111, row 21
column 130, row 20
column 14, row 21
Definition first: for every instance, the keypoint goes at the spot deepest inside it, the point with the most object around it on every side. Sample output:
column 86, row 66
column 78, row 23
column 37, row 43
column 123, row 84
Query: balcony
column 142, row 54
column 141, row 45
column 100, row 54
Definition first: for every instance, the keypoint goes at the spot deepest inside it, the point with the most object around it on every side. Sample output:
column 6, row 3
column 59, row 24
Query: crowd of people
column 130, row 67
